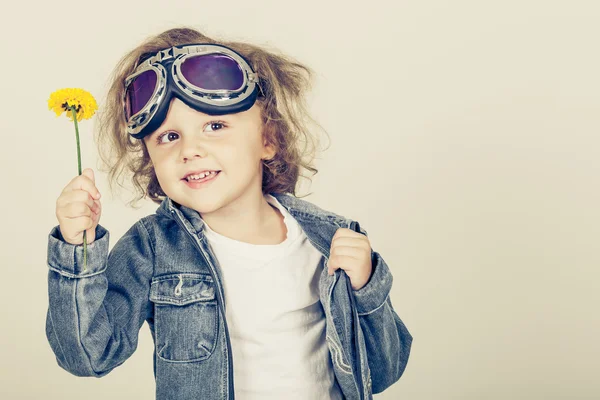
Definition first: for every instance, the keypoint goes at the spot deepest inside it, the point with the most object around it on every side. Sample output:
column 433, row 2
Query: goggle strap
column 175, row 51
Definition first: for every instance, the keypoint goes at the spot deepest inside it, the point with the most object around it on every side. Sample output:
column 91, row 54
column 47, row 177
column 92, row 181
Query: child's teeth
column 201, row 176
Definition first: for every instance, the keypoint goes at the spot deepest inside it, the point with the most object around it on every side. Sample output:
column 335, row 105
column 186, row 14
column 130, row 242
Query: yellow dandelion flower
column 78, row 105
column 65, row 99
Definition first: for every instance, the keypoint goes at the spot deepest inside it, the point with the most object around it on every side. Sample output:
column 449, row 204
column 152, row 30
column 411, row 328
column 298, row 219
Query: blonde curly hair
column 284, row 82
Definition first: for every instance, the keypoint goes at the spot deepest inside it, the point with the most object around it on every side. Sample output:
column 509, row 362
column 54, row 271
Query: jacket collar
column 301, row 210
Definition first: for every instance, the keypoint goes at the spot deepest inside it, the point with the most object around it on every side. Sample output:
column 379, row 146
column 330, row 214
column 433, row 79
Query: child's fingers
column 356, row 250
column 345, row 262
column 86, row 182
column 357, row 240
column 78, row 208
column 97, row 207
column 75, row 196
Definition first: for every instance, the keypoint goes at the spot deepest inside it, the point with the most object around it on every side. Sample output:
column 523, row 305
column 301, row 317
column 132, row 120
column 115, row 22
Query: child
column 239, row 280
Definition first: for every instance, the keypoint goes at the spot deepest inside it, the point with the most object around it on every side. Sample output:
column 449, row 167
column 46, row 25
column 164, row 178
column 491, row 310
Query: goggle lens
column 213, row 72
column 139, row 92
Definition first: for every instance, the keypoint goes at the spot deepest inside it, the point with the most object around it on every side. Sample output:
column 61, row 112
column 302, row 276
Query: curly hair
column 283, row 85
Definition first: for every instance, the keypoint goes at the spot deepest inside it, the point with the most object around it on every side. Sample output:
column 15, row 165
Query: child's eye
column 167, row 135
column 212, row 125
column 215, row 125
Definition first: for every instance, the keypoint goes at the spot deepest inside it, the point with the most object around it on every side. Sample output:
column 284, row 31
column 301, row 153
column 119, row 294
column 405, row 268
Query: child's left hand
column 351, row 251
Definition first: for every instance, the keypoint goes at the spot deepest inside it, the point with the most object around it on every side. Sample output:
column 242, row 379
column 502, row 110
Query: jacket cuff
column 67, row 259
column 374, row 294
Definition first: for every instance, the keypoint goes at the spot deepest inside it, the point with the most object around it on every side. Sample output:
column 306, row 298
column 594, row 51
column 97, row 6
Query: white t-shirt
column 276, row 321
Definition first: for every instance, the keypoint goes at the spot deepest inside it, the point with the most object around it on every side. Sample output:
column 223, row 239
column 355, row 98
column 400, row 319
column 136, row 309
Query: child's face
column 191, row 140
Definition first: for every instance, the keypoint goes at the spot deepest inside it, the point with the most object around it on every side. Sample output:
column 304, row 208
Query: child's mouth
column 198, row 183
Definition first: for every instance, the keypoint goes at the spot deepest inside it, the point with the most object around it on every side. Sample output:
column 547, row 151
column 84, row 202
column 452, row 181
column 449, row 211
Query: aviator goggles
column 210, row 78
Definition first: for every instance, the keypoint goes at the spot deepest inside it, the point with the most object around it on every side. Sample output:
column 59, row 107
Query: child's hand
column 351, row 251
column 78, row 208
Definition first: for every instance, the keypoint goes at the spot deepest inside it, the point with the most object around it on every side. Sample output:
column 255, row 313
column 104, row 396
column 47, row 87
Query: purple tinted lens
column 213, row 72
column 139, row 92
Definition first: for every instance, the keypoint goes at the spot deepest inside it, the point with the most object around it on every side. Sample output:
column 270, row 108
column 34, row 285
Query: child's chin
column 204, row 203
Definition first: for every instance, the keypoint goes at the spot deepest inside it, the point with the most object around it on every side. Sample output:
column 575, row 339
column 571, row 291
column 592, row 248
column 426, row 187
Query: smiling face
column 189, row 140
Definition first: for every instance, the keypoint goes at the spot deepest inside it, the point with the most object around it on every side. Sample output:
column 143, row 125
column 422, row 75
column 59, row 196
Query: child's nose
column 191, row 147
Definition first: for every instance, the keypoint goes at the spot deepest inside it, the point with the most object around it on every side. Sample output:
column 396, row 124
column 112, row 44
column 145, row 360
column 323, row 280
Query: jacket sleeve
column 94, row 317
column 387, row 339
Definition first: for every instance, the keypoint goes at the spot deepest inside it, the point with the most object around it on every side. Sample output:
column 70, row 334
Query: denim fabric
column 163, row 271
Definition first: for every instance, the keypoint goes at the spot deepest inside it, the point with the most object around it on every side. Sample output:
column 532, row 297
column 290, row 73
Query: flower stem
column 74, row 112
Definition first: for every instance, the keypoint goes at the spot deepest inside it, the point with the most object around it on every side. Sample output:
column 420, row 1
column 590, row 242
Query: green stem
column 74, row 112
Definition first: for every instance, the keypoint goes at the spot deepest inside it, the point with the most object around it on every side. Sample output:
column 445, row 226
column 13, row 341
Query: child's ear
column 268, row 151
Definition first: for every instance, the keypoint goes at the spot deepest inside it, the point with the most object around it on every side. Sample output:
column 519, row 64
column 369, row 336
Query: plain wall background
column 464, row 138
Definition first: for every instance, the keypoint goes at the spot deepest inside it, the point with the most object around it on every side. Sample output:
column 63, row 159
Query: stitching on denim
column 336, row 278
column 225, row 354
column 74, row 276
column 366, row 376
column 176, row 299
column 317, row 212
column 339, row 356
column 192, row 275
column 183, row 302
column 372, row 311
column 216, row 332
column 339, row 359
column 338, row 221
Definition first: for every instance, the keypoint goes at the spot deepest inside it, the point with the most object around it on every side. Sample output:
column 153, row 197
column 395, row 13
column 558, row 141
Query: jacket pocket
column 185, row 316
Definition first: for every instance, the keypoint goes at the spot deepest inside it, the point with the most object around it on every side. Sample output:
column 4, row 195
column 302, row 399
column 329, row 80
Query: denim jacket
column 163, row 271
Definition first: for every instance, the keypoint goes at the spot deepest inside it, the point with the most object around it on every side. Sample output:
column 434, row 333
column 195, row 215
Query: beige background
column 464, row 139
